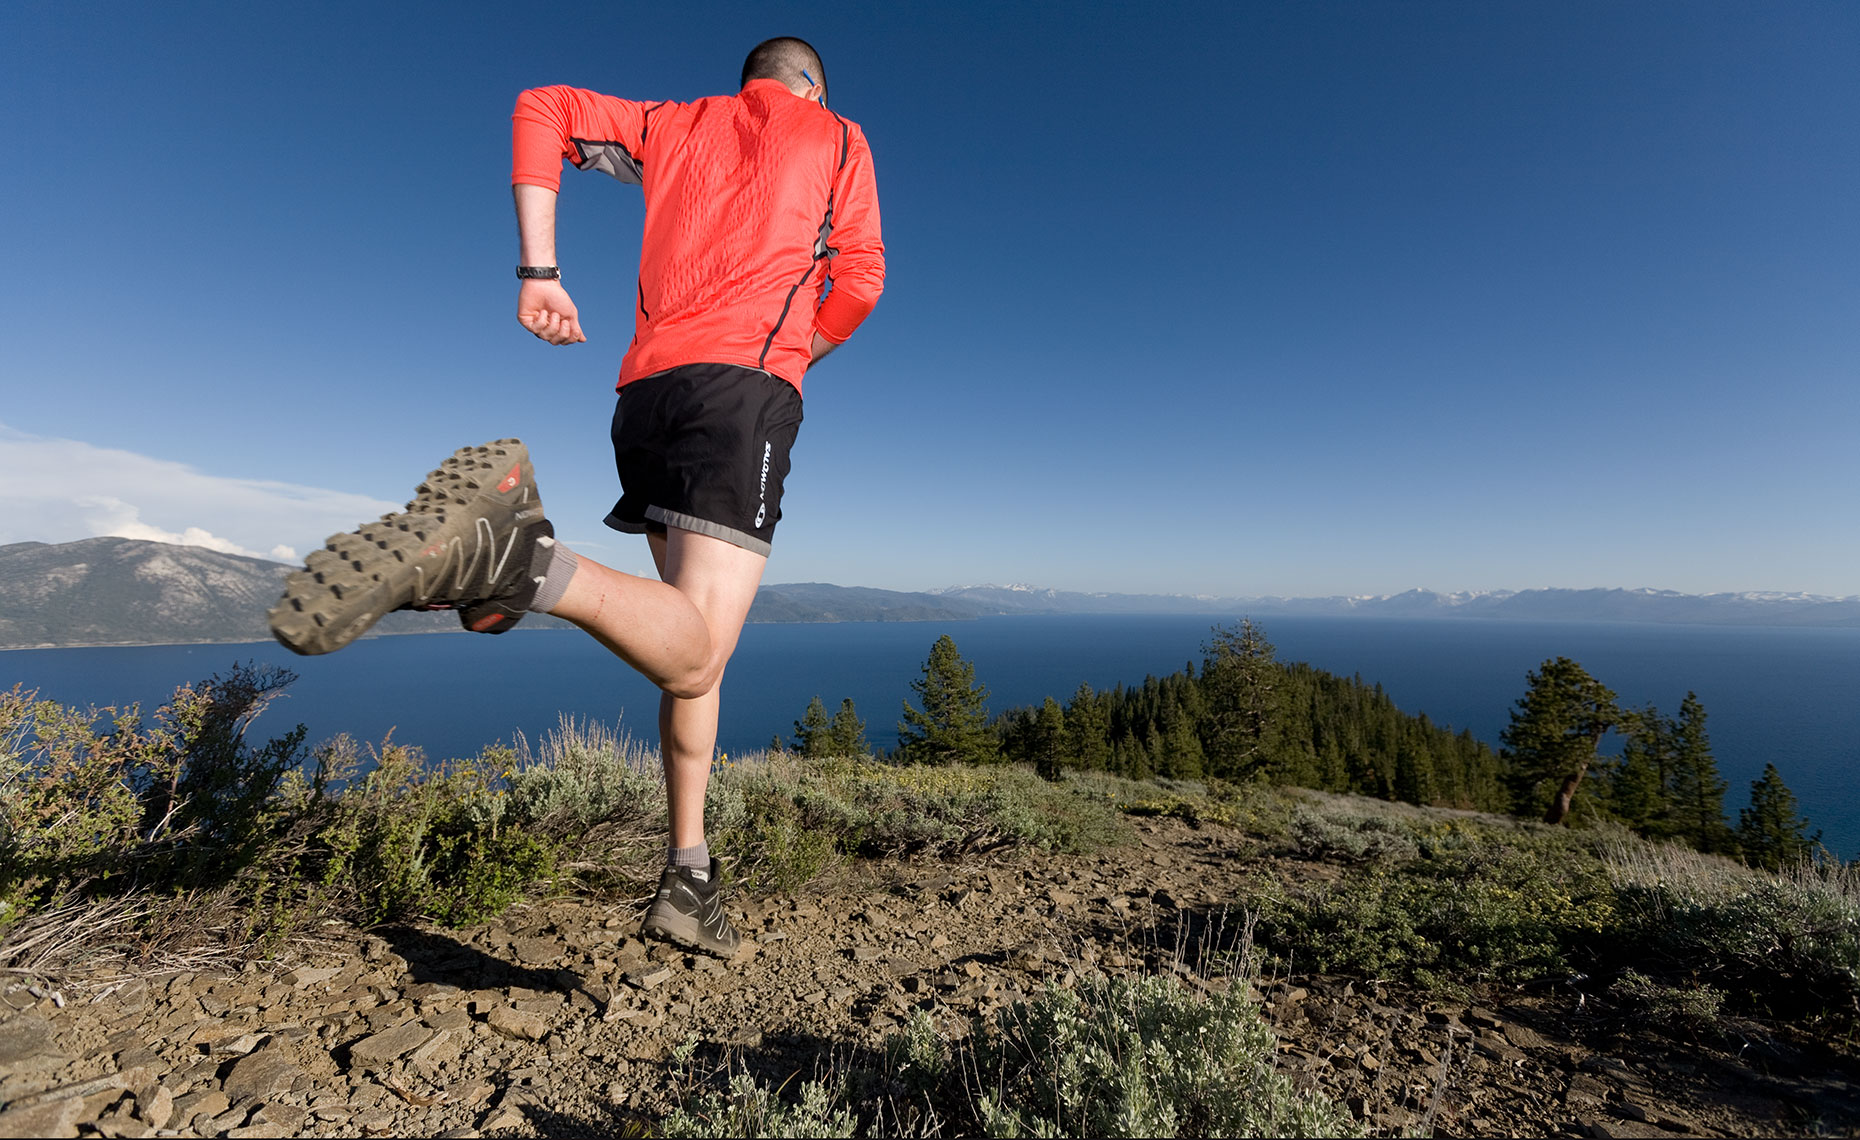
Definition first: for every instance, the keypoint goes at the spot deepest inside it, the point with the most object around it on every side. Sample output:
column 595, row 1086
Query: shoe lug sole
column 362, row 575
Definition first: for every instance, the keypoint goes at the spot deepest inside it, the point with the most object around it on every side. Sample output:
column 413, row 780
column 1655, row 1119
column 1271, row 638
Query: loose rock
column 207, row 1102
column 52, row 1118
column 303, row 977
column 27, row 1045
column 499, row 1118
column 157, row 1108
column 519, row 1024
column 536, row 951
column 382, row 1049
column 264, row 1073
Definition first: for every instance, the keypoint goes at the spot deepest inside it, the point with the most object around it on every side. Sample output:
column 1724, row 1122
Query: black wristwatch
column 539, row 272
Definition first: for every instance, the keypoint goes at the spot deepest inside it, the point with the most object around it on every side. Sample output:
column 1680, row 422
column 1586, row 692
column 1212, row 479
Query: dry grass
column 55, row 940
column 1680, row 871
column 1838, row 882
column 106, row 941
column 601, row 787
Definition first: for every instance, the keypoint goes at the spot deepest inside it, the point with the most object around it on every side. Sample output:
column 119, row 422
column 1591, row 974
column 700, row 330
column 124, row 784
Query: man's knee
column 691, row 686
column 720, row 580
column 699, row 680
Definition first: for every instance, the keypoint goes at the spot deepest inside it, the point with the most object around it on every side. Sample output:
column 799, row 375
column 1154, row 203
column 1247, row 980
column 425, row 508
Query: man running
column 754, row 203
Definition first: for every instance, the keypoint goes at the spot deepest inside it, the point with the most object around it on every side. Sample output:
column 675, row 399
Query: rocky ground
column 555, row 1020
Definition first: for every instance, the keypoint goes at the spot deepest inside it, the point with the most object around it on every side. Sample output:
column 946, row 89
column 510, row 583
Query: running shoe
column 464, row 542
column 689, row 912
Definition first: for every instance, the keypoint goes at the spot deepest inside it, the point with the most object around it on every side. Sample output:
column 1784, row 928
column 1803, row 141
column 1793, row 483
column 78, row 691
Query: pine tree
column 1477, row 782
column 846, row 733
column 1180, row 748
column 1239, row 687
column 811, row 731
column 1088, row 730
column 1049, row 739
column 1127, row 756
column 1771, row 830
column 953, row 724
column 1640, row 791
column 1697, row 790
column 1554, row 732
column 1414, row 770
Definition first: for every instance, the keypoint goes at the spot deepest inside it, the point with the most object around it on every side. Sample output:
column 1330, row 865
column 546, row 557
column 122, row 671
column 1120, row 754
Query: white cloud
column 60, row 490
column 117, row 519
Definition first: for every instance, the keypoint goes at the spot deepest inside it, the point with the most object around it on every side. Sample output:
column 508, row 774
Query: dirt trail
column 556, row 1020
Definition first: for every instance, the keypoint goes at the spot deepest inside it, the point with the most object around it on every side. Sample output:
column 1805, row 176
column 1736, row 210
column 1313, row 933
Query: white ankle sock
column 555, row 564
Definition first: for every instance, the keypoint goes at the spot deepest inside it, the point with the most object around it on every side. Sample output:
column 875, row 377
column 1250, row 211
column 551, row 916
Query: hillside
column 554, row 1019
column 116, row 591
column 124, row 591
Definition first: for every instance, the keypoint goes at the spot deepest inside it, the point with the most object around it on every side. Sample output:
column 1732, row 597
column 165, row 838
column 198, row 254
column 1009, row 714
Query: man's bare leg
column 680, row 633
column 721, row 580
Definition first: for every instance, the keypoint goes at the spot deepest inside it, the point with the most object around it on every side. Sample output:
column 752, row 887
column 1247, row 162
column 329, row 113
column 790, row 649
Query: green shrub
column 583, row 776
column 1256, row 807
column 916, row 1055
column 1687, row 1012
column 1027, row 810
column 409, row 841
column 777, row 826
column 1492, row 908
column 1483, row 901
column 1784, row 945
column 67, row 808
column 1361, row 838
column 207, row 793
column 951, row 810
column 1113, row 1057
column 751, row 1109
column 785, row 819
column 774, row 818
column 1139, row 1057
column 96, row 800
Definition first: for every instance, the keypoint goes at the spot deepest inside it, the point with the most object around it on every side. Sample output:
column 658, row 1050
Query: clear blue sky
column 1241, row 298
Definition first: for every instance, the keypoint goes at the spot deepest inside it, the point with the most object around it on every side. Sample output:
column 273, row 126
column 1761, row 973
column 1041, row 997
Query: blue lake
column 1773, row 695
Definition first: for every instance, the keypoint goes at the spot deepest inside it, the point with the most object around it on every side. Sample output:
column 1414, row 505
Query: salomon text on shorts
column 704, row 447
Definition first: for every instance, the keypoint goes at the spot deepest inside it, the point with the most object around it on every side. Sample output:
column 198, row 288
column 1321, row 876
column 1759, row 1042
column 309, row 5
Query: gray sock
column 693, row 859
column 555, row 564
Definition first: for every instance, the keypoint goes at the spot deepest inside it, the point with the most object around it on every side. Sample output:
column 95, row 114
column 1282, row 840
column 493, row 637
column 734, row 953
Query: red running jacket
column 750, row 200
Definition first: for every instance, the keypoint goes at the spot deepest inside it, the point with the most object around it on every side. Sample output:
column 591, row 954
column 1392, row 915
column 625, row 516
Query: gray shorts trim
column 697, row 525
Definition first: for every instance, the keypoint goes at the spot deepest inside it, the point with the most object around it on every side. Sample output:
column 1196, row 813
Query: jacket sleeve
column 595, row 132
column 857, row 263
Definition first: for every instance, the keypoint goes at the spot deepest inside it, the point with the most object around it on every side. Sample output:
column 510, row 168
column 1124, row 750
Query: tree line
column 1664, row 784
column 1243, row 715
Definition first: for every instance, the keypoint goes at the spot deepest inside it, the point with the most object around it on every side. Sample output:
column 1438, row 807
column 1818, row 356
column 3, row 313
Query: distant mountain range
column 1666, row 607
column 122, row 591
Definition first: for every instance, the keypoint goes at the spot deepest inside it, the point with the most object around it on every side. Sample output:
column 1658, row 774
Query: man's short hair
column 785, row 58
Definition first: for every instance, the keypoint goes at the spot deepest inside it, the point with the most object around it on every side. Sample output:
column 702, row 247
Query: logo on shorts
column 762, row 490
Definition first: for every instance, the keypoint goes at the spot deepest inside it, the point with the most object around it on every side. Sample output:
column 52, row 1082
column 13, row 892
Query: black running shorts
column 704, row 447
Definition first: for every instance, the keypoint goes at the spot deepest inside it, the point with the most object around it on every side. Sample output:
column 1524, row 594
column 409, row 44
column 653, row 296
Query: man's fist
column 543, row 307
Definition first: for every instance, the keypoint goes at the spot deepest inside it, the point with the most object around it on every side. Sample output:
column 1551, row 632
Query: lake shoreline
column 1772, row 695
